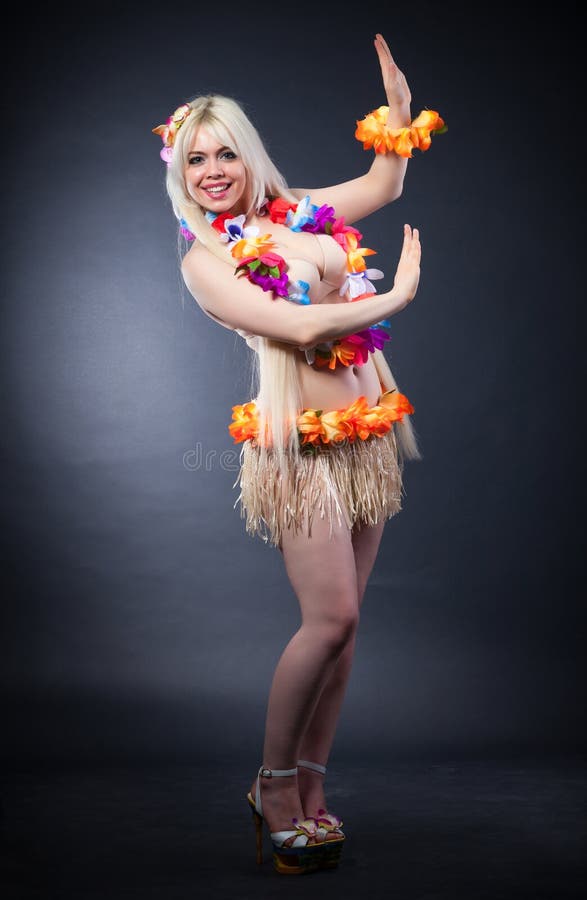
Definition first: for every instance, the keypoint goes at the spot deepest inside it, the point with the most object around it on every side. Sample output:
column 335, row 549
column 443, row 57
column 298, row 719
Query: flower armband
column 373, row 131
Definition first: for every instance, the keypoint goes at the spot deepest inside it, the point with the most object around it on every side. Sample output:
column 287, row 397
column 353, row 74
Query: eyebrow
column 201, row 152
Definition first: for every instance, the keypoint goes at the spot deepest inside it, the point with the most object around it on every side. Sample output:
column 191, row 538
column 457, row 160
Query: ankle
column 310, row 776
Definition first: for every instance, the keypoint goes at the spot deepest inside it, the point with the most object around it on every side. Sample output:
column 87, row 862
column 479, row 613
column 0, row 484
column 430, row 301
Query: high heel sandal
column 328, row 823
column 300, row 857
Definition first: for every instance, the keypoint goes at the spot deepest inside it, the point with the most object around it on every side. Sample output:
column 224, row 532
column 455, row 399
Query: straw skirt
column 355, row 483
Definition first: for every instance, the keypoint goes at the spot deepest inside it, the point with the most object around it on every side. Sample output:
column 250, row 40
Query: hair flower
column 169, row 130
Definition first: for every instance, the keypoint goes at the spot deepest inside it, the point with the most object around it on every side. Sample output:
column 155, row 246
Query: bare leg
column 320, row 732
column 323, row 575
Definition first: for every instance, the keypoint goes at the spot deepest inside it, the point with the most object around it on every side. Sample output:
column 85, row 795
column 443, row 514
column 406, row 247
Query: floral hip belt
column 359, row 420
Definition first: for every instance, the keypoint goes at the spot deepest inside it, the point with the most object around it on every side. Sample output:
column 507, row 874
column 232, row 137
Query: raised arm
column 383, row 182
column 237, row 303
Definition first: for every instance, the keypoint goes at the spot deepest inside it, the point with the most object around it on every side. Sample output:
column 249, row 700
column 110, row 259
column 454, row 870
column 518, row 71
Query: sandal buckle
column 266, row 773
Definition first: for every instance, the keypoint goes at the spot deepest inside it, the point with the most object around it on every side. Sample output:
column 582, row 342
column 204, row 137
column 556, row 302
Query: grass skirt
column 358, row 482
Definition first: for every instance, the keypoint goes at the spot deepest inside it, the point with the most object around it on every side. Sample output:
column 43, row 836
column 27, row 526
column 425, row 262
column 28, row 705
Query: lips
column 216, row 190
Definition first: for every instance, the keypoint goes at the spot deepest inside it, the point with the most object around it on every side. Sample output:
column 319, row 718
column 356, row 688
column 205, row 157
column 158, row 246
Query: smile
column 216, row 189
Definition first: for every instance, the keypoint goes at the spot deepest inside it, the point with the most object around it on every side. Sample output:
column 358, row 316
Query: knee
column 339, row 629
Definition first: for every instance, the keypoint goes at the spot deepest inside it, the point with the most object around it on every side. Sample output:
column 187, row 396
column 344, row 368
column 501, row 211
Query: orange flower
column 353, row 418
column 244, row 425
column 396, row 405
column 341, row 353
column 403, row 142
column 252, row 248
column 310, row 426
column 333, row 431
column 374, row 132
column 427, row 121
column 355, row 261
column 377, row 421
column 168, row 131
column 352, row 242
column 359, row 420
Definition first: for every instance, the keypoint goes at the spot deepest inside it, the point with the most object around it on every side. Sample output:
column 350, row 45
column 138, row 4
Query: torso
column 320, row 261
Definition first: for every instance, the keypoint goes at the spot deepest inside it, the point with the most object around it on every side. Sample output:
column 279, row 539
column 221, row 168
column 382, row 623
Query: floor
column 415, row 831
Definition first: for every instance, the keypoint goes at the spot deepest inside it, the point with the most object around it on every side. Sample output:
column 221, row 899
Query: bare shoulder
column 201, row 267
column 195, row 257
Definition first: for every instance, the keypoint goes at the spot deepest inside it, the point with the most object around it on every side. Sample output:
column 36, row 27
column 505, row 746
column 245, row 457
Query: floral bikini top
column 258, row 262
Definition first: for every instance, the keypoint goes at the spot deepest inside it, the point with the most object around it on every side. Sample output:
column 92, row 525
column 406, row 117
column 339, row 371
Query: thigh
column 366, row 542
column 321, row 569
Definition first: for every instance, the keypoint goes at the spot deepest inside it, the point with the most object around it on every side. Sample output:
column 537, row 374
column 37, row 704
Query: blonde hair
column 226, row 120
column 274, row 373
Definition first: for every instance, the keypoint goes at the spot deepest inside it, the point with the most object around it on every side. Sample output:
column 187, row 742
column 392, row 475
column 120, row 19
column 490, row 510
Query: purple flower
column 374, row 338
column 322, row 216
column 268, row 282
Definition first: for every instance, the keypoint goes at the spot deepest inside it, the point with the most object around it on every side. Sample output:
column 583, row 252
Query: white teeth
column 217, row 190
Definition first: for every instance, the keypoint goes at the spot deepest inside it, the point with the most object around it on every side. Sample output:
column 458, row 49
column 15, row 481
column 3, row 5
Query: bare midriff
column 324, row 388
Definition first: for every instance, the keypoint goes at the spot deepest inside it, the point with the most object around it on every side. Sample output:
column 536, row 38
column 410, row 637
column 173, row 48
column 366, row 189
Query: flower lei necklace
column 265, row 268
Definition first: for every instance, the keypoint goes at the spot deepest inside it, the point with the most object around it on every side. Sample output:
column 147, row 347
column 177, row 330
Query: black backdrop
column 138, row 619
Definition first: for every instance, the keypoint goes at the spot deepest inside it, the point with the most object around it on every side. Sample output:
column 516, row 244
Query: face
column 215, row 176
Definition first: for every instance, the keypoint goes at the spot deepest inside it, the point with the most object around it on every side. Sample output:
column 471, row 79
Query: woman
column 321, row 491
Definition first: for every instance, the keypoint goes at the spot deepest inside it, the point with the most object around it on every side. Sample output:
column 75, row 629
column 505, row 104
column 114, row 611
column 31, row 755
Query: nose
column 214, row 168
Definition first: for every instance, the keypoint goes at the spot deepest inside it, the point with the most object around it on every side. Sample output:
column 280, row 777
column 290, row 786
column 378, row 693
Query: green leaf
column 274, row 271
column 254, row 265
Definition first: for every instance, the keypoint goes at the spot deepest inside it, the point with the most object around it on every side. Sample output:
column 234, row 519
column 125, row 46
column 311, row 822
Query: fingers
column 383, row 43
column 383, row 57
column 411, row 245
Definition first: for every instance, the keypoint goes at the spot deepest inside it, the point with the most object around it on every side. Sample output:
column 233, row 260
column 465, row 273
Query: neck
column 233, row 213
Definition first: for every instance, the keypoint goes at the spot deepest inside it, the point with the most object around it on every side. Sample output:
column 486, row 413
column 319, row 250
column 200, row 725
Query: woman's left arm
column 383, row 182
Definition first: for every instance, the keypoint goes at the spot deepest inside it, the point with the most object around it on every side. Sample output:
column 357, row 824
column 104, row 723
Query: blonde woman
column 325, row 437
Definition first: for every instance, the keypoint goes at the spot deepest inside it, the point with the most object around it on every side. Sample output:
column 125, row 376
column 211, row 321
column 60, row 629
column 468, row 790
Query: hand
column 407, row 276
column 394, row 81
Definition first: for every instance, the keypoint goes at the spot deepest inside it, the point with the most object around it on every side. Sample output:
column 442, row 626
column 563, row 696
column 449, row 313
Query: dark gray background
column 138, row 619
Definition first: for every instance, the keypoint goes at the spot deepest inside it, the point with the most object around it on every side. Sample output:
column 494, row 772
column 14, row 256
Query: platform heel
column 301, row 857
column 328, row 823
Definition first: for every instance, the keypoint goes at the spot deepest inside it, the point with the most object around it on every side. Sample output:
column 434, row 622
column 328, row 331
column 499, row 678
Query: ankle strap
column 311, row 765
column 269, row 773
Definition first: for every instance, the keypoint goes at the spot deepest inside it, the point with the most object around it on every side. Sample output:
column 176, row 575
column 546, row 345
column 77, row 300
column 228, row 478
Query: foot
column 311, row 788
column 280, row 802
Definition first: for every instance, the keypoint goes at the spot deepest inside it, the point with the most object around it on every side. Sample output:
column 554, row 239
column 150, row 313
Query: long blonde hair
column 273, row 374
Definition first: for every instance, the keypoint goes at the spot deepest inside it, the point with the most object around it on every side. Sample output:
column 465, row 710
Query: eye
column 195, row 160
column 228, row 154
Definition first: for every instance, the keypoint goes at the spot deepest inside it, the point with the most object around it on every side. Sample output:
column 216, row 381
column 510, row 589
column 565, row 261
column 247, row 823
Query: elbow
column 396, row 191
column 308, row 336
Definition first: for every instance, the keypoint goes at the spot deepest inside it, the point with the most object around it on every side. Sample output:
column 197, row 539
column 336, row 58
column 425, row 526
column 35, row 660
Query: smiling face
column 215, row 176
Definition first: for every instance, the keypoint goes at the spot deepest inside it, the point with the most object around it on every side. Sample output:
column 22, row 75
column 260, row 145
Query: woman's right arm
column 241, row 304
